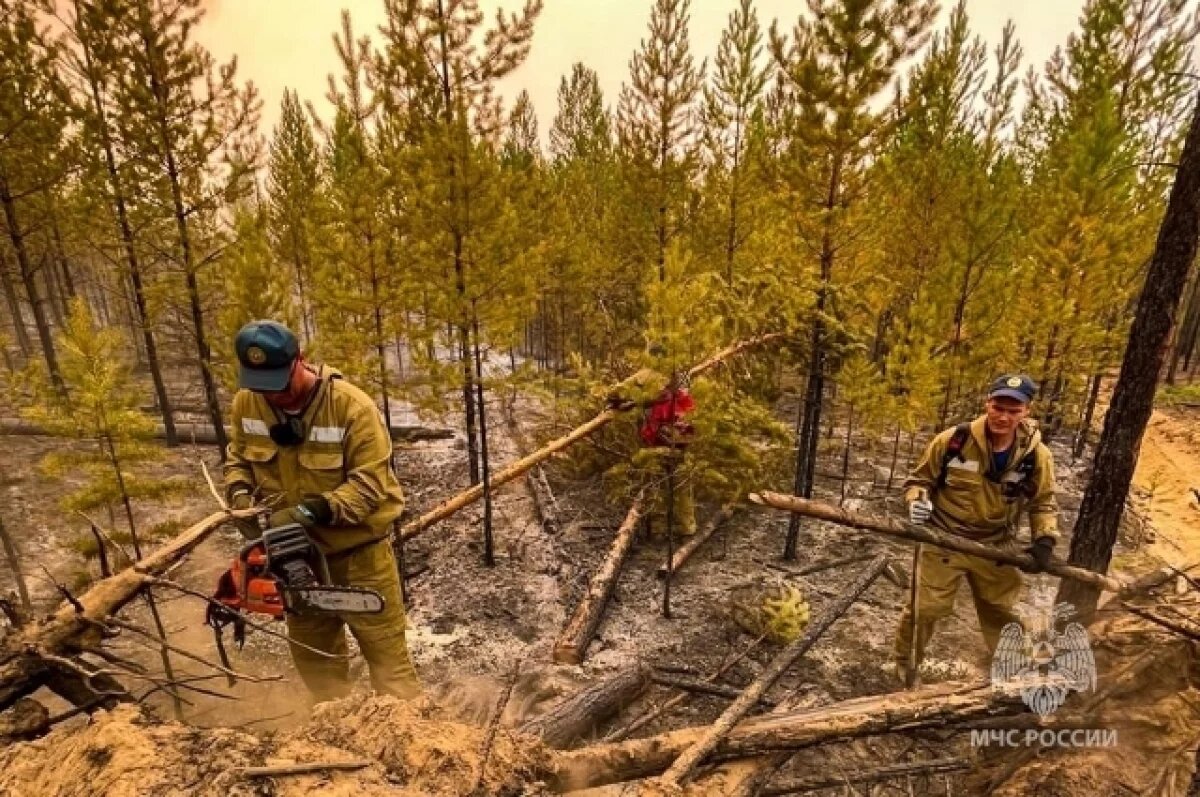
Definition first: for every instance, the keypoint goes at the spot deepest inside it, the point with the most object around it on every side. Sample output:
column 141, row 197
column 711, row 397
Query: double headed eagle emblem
column 1042, row 663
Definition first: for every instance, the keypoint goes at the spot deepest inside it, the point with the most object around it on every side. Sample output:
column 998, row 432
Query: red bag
column 663, row 423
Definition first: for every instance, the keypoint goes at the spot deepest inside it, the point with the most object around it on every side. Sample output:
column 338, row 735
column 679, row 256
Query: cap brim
column 265, row 380
column 1012, row 394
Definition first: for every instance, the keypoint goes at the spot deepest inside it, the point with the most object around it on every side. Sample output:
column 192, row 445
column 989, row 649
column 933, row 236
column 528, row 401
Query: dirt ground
column 472, row 629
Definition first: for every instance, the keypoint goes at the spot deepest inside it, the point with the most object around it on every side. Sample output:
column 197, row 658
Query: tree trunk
column 699, row 538
column 572, row 643
column 846, row 453
column 1133, row 396
column 1085, row 428
column 68, row 278
column 168, row 144
column 14, row 308
column 14, row 564
column 578, row 717
column 29, row 279
column 489, row 553
column 806, row 451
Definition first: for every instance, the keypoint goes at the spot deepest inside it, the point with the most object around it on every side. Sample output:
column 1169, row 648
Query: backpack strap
column 954, row 450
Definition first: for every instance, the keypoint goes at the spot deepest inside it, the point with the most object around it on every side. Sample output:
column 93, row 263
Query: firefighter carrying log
column 975, row 480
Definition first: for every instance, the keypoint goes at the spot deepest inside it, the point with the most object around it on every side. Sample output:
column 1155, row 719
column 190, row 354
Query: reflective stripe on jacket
column 973, row 505
column 345, row 456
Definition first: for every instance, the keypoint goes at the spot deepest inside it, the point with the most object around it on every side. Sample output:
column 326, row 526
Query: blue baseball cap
column 265, row 352
column 1014, row 386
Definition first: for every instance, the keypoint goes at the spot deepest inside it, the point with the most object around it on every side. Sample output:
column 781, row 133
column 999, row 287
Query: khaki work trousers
column 380, row 636
column 684, row 509
column 995, row 588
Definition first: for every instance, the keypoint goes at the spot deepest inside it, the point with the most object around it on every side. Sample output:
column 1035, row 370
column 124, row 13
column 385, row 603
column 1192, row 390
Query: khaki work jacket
column 346, row 457
column 972, row 503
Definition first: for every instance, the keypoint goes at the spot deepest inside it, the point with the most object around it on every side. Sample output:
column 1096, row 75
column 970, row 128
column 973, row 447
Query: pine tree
column 590, row 303
column 657, row 125
column 836, row 62
column 96, row 63
column 189, row 144
column 32, row 116
column 729, row 108
column 441, row 66
column 1110, row 100
column 294, row 176
column 102, row 410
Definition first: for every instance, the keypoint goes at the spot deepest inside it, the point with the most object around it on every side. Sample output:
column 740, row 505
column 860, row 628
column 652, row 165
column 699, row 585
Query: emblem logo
column 1042, row 663
column 1014, row 381
column 256, row 356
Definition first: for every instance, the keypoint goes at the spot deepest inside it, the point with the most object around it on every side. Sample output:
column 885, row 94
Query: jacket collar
column 1028, row 437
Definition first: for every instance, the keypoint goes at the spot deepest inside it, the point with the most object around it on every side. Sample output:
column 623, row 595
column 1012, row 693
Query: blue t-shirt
column 1000, row 459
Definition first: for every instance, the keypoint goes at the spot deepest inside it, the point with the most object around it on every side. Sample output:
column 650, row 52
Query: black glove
column 312, row 511
column 1042, row 551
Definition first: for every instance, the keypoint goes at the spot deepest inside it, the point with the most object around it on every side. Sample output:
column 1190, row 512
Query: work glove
column 920, row 509
column 312, row 511
column 1042, row 552
column 248, row 527
column 617, row 402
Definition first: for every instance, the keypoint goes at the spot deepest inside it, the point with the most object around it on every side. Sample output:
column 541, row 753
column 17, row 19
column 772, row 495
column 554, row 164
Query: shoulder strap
column 954, row 449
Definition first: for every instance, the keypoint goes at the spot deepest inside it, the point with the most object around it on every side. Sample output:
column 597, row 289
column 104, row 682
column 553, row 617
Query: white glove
column 920, row 510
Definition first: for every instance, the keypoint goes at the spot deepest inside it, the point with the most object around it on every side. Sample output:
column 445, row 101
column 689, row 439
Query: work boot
column 900, row 668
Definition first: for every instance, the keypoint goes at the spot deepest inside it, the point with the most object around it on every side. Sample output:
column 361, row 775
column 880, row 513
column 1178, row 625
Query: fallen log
column 783, row 660
column 890, row 772
column 27, row 719
column 927, row 534
column 31, row 656
column 200, row 433
column 699, row 538
column 515, row 469
column 938, row 705
column 572, row 643
column 578, row 717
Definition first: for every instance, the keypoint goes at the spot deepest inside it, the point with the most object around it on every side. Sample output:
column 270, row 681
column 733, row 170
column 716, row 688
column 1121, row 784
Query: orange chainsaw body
column 257, row 589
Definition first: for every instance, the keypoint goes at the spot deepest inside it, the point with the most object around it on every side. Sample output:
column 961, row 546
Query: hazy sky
column 288, row 43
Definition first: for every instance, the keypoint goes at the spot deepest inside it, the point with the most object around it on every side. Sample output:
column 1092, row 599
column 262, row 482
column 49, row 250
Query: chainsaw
column 283, row 572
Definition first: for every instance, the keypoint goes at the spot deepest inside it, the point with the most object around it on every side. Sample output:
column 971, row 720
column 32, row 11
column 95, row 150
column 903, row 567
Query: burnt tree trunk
column 14, row 308
column 1133, row 396
column 28, row 274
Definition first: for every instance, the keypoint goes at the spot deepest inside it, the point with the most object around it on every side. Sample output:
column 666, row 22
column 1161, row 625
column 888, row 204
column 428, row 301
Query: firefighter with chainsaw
column 975, row 480
column 314, row 450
